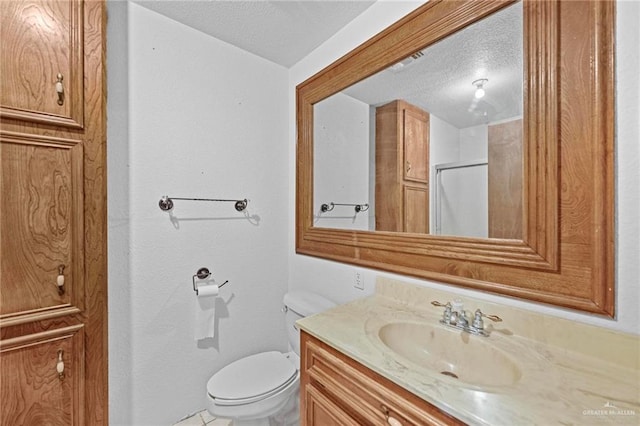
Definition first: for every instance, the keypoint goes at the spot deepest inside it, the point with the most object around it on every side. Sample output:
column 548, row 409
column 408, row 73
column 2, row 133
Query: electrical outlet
column 358, row 280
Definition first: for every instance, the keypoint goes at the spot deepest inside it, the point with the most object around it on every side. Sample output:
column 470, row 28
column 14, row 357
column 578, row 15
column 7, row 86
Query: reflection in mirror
column 342, row 163
column 433, row 144
column 565, row 255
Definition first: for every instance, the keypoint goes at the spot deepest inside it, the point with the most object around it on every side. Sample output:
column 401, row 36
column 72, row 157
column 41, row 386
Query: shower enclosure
column 461, row 199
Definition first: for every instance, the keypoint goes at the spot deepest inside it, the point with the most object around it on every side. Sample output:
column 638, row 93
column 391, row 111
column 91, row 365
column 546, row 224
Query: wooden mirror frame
column 566, row 257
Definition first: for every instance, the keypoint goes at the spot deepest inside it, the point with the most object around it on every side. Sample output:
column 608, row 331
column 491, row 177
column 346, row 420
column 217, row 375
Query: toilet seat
column 251, row 379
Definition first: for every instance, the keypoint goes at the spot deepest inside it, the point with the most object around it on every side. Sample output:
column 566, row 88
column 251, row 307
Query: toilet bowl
column 264, row 386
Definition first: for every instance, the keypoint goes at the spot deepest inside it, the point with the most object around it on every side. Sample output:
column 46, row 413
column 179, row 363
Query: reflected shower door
column 461, row 199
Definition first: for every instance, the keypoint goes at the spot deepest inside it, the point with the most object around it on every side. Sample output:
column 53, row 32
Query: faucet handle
column 446, row 315
column 462, row 319
column 479, row 314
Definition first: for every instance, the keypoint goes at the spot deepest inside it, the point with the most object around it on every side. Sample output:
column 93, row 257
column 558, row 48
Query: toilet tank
column 300, row 304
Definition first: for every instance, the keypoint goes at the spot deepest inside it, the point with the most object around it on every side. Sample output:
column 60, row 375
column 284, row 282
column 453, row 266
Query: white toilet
column 263, row 388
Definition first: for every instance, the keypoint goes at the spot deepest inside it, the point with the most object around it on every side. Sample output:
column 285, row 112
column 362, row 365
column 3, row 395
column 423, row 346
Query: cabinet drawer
column 362, row 393
column 41, row 227
column 42, row 40
column 32, row 390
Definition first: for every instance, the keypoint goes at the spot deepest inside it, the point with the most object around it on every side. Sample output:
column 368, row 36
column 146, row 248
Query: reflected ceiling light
column 480, row 87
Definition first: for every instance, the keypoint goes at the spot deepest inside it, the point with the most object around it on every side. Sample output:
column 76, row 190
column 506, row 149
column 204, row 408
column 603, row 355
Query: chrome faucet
column 456, row 317
column 446, row 316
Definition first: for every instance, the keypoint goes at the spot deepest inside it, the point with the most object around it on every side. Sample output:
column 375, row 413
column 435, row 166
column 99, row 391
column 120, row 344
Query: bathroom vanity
column 337, row 390
column 387, row 359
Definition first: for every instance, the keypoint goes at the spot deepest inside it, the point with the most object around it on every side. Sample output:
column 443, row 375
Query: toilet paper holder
column 201, row 274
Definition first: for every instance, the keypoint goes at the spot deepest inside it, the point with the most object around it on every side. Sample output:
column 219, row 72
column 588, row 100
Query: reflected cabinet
column 402, row 168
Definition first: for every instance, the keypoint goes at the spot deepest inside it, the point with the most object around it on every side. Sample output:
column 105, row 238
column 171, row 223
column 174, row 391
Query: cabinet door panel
column 42, row 39
column 32, row 391
column 416, row 146
column 41, row 224
column 416, row 210
column 505, row 180
column 321, row 411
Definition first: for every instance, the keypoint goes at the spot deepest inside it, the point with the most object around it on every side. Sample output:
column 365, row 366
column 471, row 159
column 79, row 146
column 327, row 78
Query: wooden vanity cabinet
column 336, row 390
column 402, row 168
column 53, row 254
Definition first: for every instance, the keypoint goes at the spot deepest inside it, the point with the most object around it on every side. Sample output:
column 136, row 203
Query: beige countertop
column 568, row 373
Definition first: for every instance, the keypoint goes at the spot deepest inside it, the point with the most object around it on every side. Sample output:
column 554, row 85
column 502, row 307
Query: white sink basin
column 460, row 356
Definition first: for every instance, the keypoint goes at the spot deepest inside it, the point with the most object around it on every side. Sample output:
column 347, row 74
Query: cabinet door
column 416, row 145
column 41, row 226
column 321, row 411
column 505, row 180
column 348, row 387
column 416, row 209
column 32, row 391
column 40, row 41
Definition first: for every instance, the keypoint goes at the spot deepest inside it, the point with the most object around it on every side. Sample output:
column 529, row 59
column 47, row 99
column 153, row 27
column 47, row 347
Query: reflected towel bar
column 358, row 207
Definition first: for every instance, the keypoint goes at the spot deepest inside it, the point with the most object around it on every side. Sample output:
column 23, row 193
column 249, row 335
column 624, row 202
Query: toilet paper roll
column 208, row 290
column 205, row 317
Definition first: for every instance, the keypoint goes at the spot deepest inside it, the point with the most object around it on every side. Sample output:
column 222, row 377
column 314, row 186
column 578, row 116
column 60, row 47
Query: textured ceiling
column 281, row 31
column 440, row 80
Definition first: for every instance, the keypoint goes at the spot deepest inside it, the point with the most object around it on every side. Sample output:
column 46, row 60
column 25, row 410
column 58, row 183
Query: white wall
column 336, row 280
column 444, row 147
column 444, row 142
column 189, row 116
column 474, row 142
column 118, row 211
column 472, row 201
column 341, row 161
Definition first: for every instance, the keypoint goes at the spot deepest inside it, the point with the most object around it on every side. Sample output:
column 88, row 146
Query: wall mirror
column 403, row 165
column 460, row 118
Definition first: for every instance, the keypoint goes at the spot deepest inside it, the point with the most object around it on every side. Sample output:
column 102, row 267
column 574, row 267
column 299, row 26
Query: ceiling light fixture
column 480, row 87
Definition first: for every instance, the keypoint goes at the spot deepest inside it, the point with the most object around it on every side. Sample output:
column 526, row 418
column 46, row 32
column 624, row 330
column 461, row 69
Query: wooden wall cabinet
column 402, row 168
column 42, row 226
column 42, row 378
column 42, row 67
column 336, row 390
column 53, row 267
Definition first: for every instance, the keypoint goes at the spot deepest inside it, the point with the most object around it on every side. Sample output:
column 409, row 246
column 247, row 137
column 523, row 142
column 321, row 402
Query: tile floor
column 203, row 418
